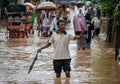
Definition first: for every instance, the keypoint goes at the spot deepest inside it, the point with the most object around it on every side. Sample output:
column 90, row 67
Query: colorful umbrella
column 30, row 6
column 46, row 5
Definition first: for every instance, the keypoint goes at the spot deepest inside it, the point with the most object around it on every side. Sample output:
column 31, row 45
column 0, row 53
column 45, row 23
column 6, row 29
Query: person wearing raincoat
column 79, row 21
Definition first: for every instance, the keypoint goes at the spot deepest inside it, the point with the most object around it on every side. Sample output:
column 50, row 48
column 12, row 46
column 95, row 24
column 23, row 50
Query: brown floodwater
column 96, row 65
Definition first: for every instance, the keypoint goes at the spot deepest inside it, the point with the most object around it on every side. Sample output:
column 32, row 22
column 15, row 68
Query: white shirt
column 97, row 23
column 61, row 45
column 54, row 23
column 46, row 22
column 17, row 19
column 10, row 19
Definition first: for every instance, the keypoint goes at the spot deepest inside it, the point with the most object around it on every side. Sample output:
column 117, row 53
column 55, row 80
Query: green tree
column 108, row 7
column 112, row 9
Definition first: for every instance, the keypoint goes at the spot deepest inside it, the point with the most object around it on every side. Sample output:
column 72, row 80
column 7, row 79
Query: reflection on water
column 61, row 81
column 16, row 42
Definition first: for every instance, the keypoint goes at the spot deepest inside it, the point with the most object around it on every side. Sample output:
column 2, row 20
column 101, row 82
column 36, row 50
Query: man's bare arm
column 45, row 46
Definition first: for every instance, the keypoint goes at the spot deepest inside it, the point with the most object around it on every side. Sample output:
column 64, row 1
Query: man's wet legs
column 58, row 75
column 67, row 73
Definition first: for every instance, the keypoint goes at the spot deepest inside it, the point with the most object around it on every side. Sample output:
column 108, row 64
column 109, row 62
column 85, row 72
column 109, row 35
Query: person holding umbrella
column 60, row 41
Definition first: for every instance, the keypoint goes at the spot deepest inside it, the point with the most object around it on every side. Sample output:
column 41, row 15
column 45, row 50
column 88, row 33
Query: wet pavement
column 96, row 65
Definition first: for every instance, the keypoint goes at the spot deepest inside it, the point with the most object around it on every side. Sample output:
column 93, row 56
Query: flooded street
column 96, row 65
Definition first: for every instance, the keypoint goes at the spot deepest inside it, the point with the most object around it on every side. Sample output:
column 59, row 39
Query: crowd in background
column 87, row 17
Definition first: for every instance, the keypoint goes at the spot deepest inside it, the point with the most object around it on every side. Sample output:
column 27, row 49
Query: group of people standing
column 91, row 27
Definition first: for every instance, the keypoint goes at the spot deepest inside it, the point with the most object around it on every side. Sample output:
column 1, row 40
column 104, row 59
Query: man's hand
column 39, row 50
column 45, row 46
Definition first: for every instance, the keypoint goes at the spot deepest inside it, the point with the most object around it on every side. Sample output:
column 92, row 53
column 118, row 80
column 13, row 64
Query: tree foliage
column 105, row 5
column 110, row 7
column 117, row 11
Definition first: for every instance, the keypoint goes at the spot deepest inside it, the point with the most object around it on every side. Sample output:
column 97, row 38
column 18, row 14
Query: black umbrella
column 16, row 8
column 31, row 66
column 73, row 3
column 64, row 3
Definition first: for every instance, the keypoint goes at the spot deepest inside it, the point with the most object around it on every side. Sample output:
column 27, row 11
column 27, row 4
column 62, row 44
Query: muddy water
column 92, row 66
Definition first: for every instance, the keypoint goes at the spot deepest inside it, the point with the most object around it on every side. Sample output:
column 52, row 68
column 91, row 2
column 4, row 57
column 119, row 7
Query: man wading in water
column 60, row 41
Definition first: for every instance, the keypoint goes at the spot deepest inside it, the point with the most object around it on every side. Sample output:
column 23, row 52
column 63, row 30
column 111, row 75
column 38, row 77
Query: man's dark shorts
column 61, row 64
